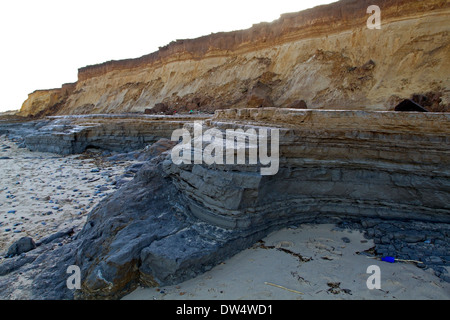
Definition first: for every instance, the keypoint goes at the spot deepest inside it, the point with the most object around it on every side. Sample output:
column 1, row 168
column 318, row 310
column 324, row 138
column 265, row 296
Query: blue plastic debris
column 388, row 259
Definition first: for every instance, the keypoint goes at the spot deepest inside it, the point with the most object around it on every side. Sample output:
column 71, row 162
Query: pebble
column 435, row 260
column 346, row 240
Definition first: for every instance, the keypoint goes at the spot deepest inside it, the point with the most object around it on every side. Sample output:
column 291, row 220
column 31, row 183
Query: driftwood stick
column 281, row 287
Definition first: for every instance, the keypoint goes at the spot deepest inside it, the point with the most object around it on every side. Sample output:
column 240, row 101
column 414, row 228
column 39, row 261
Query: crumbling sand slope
column 326, row 56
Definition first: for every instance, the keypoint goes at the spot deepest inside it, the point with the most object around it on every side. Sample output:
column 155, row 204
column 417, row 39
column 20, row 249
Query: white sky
column 44, row 42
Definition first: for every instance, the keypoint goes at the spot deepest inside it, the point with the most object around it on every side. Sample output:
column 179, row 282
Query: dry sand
column 43, row 193
column 334, row 272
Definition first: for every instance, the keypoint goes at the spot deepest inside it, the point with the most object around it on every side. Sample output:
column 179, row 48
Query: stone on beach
column 23, row 245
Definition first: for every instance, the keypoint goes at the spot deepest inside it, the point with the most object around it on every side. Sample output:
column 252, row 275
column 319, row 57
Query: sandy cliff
column 46, row 102
column 325, row 56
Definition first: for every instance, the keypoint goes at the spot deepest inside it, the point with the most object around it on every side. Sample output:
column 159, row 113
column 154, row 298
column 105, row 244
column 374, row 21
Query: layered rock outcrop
column 74, row 134
column 325, row 56
column 349, row 163
column 357, row 165
column 173, row 222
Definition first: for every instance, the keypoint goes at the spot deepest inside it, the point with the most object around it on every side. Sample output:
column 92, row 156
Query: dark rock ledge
column 171, row 223
column 144, row 234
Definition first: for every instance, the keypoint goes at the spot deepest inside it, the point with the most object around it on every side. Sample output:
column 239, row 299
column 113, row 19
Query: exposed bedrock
column 173, row 222
column 176, row 221
column 74, row 134
column 363, row 165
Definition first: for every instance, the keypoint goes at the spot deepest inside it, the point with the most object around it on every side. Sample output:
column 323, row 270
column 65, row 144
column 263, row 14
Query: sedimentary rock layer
column 46, row 102
column 350, row 163
column 74, row 134
column 326, row 56
column 176, row 221
column 173, row 222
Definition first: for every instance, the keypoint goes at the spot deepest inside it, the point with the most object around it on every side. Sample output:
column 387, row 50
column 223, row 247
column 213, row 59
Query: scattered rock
column 23, row 245
column 346, row 240
column 158, row 108
column 259, row 96
column 298, row 104
column 369, row 65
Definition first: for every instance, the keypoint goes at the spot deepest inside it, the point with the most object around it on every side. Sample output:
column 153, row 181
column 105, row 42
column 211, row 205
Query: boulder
column 158, row 108
column 259, row 96
column 298, row 104
column 23, row 245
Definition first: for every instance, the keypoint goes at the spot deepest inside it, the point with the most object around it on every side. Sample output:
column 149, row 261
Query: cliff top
column 324, row 19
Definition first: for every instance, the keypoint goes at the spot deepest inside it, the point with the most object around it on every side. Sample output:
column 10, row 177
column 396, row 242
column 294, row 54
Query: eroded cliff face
column 326, row 56
column 46, row 102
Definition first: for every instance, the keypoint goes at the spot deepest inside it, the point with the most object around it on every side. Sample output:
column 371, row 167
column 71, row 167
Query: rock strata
column 384, row 172
column 75, row 134
column 345, row 159
column 325, row 56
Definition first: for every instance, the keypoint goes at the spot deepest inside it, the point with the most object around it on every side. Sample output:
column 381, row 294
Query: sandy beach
column 43, row 193
column 311, row 262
